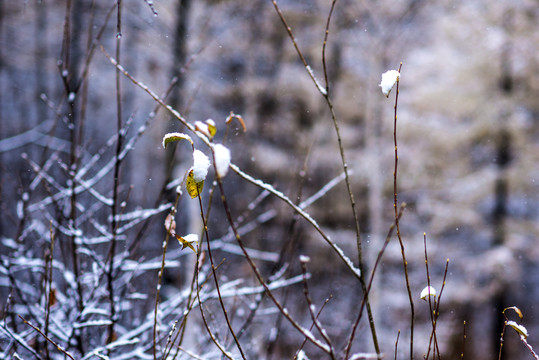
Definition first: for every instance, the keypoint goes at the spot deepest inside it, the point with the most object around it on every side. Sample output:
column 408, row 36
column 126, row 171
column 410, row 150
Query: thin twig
column 48, row 290
column 397, row 343
column 300, row 212
column 312, row 325
column 395, row 201
column 221, row 302
column 437, row 310
column 257, row 273
column 198, row 288
column 160, row 278
column 325, row 93
column 119, row 141
column 432, row 311
column 463, row 340
column 65, row 352
column 356, row 272
column 310, row 304
column 324, row 44
column 371, row 279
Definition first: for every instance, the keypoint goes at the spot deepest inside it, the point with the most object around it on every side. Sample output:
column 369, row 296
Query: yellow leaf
column 170, row 137
column 185, row 243
column 212, row 129
column 193, row 188
column 517, row 310
column 238, row 117
column 518, row 328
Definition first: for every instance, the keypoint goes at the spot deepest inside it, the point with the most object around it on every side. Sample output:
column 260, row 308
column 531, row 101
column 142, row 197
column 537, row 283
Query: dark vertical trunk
column 180, row 50
column 178, row 69
column 2, row 119
column 501, row 188
column 176, row 99
column 40, row 60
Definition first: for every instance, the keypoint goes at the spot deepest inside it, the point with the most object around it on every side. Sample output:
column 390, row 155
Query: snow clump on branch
column 201, row 163
column 222, row 159
column 389, row 79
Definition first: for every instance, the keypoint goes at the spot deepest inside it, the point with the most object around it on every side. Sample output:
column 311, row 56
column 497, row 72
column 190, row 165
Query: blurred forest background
column 468, row 128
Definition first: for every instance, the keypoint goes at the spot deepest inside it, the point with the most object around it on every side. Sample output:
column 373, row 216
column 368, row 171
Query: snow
column 253, row 253
column 428, row 290
column 518, row 328
column 320, row 193
column 318, row 85
column 20, row 211
column 389, row 79
column 130, row 265
column 358, row 356
column 222, row 159
column 201, row 163
column 78, row 325
column 202, row 128
column 142, row 214
column 175, row 136
column 191, row 238
column 304, row 259
column 302, row 213
column 302, row 356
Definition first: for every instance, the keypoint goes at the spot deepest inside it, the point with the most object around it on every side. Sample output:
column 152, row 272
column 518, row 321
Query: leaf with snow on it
column 212, row 128
column 389, row 79
column 188, row 241
column 201, row 163
column 170, row 137
column 202, row 128
column 518, row 328
column 222, row 159
column 428, row 291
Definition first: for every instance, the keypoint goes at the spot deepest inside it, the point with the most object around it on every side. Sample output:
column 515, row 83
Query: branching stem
column 395, row 201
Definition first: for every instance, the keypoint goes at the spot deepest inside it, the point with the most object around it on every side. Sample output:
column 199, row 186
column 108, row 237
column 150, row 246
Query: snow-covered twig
column 302, row 213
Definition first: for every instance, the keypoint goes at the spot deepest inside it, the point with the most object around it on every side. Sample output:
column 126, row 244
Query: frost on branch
column 222, row 159
column 389, row 79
